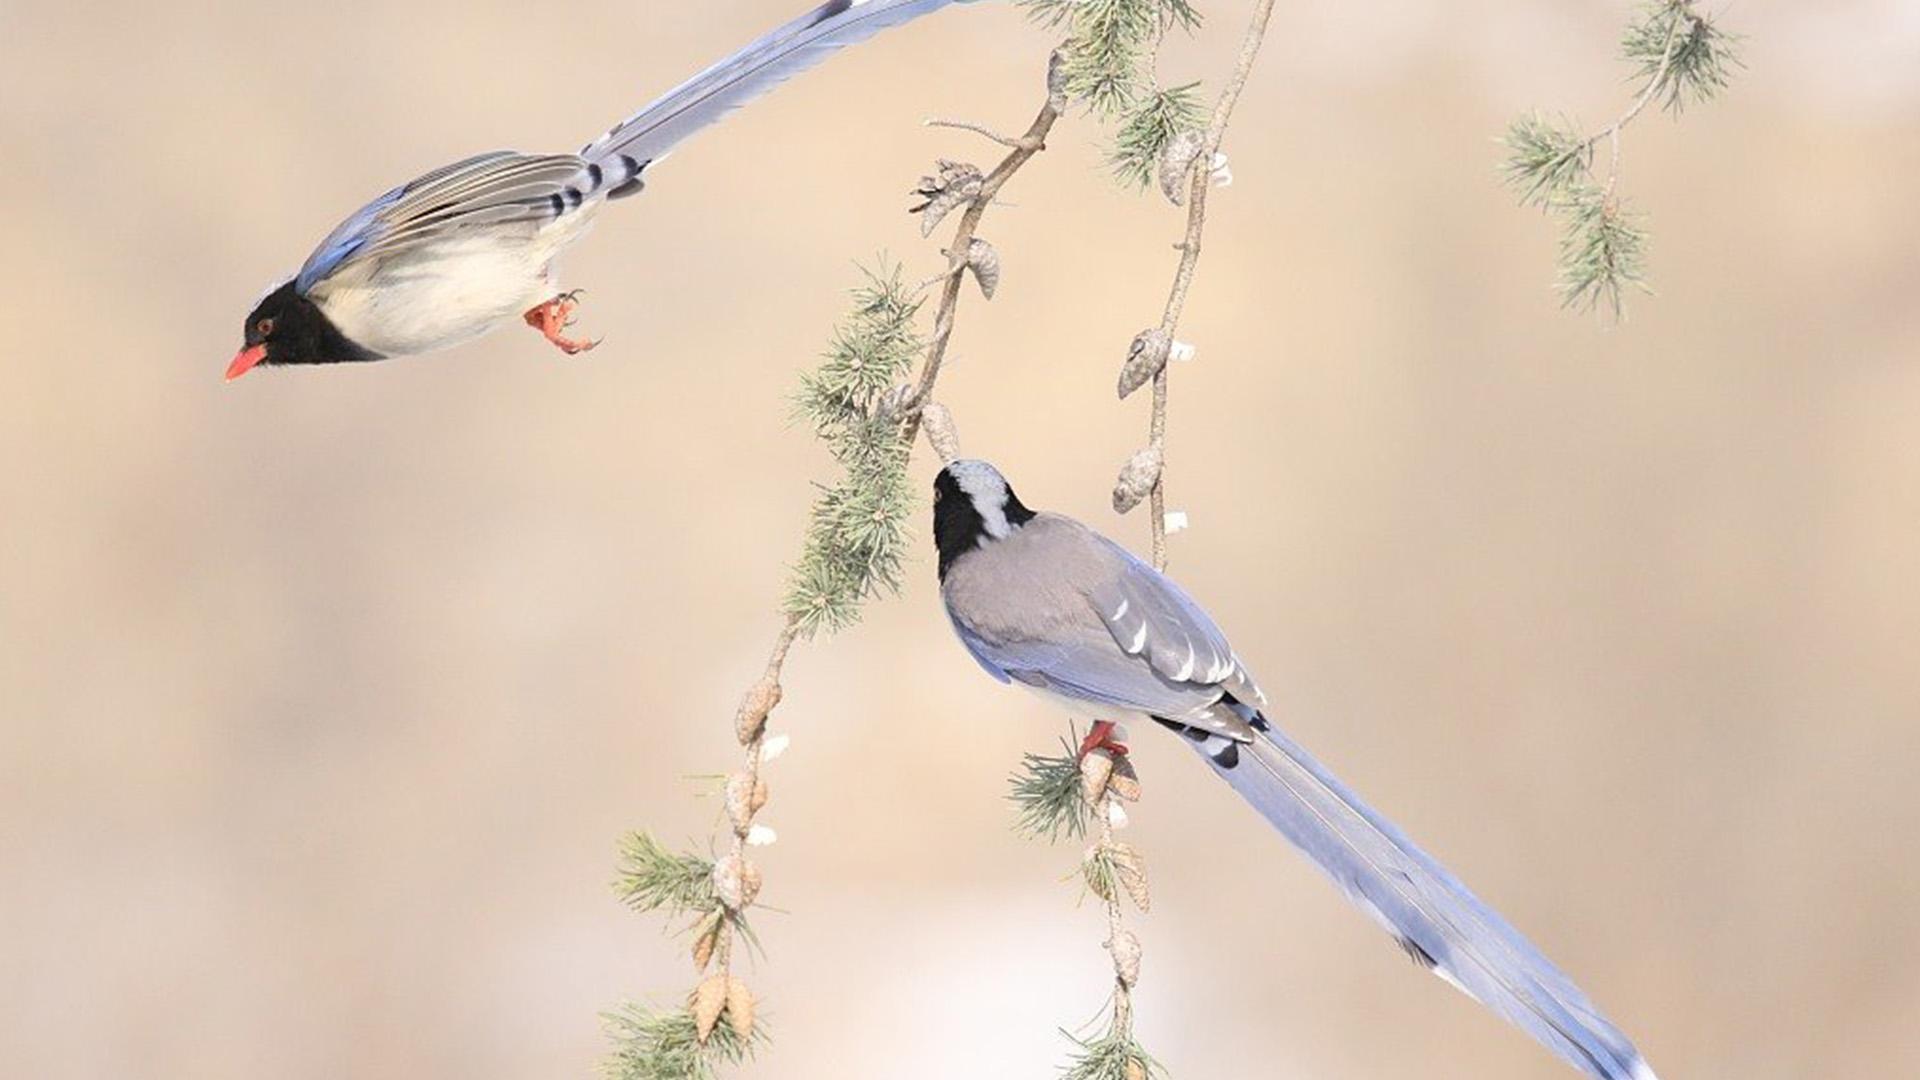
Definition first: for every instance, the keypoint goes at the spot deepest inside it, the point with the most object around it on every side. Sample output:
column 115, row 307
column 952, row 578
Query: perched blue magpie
column 449, row 256
column 1043, row 601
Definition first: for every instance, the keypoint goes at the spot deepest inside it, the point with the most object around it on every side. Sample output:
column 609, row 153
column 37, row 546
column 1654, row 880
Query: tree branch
column 865, row 423
column 1681, row 54
column 1200, row 182
column 1612, row 131
column 1024, row 148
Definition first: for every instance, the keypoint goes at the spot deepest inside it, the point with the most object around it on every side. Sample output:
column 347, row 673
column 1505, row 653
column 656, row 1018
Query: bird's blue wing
column 346, row 238
column 497, row 188
column 1151, row 617
column 1085, row 666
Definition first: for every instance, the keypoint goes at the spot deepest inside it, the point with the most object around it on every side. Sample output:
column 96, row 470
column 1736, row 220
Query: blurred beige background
column 324, row 695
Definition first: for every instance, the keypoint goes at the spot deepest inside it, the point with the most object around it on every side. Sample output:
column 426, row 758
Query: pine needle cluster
column 1680, row 57
column 857, row 535
column 651, row 1044
column 1112, row 1056
column 1148, row 126
column 1547, row 159
column 1603, row 251
column 1703, row 56
column 1047, row 794
column 651, row 878
column 1109, row 64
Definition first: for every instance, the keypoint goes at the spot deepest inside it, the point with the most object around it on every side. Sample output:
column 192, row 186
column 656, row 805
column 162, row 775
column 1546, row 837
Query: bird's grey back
column 1056, row 605
column 1035, row 583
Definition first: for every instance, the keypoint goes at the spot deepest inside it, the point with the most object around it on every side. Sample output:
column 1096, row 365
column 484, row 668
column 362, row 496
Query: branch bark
column 1200, row 183
column 1023, row 150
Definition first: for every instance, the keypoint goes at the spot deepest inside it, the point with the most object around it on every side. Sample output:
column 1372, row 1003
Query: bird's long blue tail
column 777, row 55
column 1441, row 924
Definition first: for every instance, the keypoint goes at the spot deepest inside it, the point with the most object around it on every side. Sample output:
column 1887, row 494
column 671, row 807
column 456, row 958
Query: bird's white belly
column 445, row 292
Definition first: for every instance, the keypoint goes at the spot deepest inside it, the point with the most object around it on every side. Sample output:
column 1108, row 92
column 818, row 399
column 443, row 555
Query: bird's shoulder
column 1041, row 575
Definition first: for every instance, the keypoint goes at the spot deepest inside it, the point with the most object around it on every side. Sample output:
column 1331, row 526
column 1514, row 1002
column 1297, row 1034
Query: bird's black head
column 972, row 503
column 287, row 328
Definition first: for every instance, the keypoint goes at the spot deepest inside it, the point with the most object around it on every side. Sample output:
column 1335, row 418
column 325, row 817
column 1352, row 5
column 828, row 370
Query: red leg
column 1100, row 737
column 552, row 319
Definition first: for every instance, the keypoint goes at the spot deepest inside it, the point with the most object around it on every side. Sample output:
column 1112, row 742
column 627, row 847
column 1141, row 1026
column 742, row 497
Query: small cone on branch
column 1136, row 479
column 1135, row 1070
column 739, row 1008
column 940, row 431
column 741, row 789
column 1176, row 164
column 954, row 184
column 751, row 720
column 1095, row 769
column 1126, row 957
column 708, row 1001
column 736, row 882
column 1146, row 355
column 893, row 404
column 1125, row 782
column 1131, row 869
column 706, row 938
column 984, row 261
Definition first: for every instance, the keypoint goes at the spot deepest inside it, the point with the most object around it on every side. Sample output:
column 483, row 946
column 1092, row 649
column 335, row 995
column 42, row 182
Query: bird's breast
column 446, row 291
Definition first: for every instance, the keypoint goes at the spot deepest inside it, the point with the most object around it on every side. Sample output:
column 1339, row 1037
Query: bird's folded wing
column 1150, row 617
column 496, row 188
column 1087, row 667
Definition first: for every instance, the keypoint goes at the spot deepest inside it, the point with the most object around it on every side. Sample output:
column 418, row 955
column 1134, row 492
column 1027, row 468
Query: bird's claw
column 1100, row 737
column 552, row 319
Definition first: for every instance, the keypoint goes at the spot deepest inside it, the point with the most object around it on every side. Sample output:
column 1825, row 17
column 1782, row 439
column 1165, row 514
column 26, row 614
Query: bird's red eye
column 265, row 326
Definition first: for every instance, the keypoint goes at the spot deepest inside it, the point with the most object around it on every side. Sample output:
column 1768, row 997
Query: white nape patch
column 986, row 489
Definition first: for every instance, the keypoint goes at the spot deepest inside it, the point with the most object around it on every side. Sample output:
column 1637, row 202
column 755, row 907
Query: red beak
column 244, row 360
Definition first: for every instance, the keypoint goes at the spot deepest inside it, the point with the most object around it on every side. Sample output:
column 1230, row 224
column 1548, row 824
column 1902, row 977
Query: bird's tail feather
column 1435, row 918
column 649, row 134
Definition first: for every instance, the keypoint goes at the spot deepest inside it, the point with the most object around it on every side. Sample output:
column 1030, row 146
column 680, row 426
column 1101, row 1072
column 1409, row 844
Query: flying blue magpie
column 452, row 254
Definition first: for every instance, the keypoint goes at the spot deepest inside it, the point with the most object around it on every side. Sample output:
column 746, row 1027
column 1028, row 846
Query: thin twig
column 978, row 129
column 1027, row 145
column 1116, row 923
column 1201, row 182
column 1611, row 132
column 1024, row 149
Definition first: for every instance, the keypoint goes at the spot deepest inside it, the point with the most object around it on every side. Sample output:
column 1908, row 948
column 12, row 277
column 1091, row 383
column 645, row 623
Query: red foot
column 1100, row 737
column 553, row 317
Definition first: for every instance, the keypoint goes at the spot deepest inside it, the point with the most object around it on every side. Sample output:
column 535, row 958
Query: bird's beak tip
column 244, row 361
